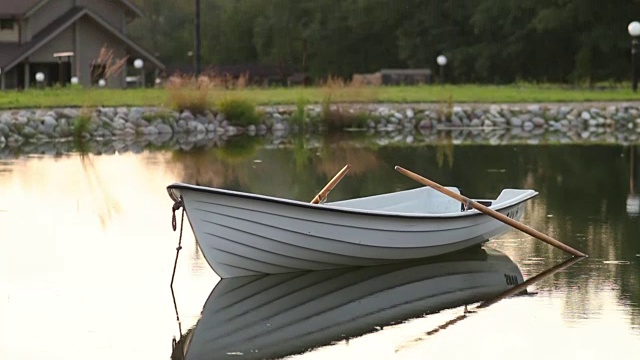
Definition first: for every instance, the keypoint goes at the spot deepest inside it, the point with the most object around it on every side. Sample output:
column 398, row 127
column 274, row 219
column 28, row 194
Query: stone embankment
column 562, row 122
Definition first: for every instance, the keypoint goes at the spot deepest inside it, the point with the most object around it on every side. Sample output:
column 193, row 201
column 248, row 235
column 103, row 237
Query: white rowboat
column 243, row 234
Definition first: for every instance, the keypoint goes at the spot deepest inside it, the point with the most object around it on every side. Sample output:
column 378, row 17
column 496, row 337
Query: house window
column 7, row 24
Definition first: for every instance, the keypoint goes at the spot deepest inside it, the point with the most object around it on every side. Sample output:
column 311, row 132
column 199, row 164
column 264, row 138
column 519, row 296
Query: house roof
column 14, row 8
column 12, row 53
column 23, row 8
column 133, row 7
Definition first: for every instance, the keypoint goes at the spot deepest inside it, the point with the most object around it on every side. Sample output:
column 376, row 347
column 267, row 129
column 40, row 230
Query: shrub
column 239, row 111
column 338, row 118
column 189, row 94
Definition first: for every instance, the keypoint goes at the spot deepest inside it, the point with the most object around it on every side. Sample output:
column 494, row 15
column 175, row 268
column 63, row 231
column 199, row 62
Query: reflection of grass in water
column 238, row 148
column 81, row 146
column 444, row 149
column 301, row 154
column 200, row 167
column 218, row 166
column 107, row 204
column 340, row 149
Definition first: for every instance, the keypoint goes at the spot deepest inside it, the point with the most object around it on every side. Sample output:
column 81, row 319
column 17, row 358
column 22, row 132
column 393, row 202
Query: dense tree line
column 497, row 41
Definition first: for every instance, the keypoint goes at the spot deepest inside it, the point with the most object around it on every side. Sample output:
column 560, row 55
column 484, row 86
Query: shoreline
column 567, row 120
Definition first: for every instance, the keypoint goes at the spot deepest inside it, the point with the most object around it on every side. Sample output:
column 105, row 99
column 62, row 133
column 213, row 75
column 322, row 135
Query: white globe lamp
column 441, row 60
column 634, row 28
column 40, row 80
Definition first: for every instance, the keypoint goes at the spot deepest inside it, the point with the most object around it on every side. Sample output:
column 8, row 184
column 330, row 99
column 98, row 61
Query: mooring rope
column 177, row 205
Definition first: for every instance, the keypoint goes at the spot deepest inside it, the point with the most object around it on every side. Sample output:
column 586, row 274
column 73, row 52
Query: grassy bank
column 359, row 94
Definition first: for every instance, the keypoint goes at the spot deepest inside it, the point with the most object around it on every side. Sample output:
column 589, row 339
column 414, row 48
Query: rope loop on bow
column 176, row 206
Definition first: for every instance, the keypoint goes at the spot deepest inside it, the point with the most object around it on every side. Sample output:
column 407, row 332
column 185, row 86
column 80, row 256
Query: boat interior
column 423, row 200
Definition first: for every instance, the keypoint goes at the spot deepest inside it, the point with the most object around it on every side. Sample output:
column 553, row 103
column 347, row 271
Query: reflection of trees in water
column 218, row 166
column 582, row 203
column 584, row 190
column 337, row 152
column 590, row 185
column 296, row 171
column 202, row 168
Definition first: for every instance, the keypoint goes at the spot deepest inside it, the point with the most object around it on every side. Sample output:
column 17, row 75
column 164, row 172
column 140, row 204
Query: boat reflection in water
column 273, row 316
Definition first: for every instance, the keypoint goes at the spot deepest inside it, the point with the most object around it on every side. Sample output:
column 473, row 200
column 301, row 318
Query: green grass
column 315, row 95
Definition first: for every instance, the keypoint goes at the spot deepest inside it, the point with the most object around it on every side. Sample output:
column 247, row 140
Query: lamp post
column 634, row 31
column 442, row 61
column 198, row 39
column 40, row 79
column 139, row 64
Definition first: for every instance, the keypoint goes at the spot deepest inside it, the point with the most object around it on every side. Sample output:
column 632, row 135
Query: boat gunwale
column 526, row 195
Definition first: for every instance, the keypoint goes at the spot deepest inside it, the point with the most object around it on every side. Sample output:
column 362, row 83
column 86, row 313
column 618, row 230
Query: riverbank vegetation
column 161, row 97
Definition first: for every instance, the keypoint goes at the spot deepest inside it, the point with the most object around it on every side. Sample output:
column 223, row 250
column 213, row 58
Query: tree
column 493, row 41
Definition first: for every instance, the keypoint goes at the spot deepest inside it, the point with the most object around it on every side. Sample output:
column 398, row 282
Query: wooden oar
column 322, row 195
column 496, row 215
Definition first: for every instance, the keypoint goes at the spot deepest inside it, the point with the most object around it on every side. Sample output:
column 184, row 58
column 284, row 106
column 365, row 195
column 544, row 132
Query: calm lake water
column 88, row 252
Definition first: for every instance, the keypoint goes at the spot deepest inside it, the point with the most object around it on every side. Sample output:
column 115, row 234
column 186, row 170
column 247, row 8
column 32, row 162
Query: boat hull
column 242, row 235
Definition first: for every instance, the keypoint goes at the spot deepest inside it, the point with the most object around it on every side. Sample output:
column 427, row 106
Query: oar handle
column 496, row 215
column 322, row 195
